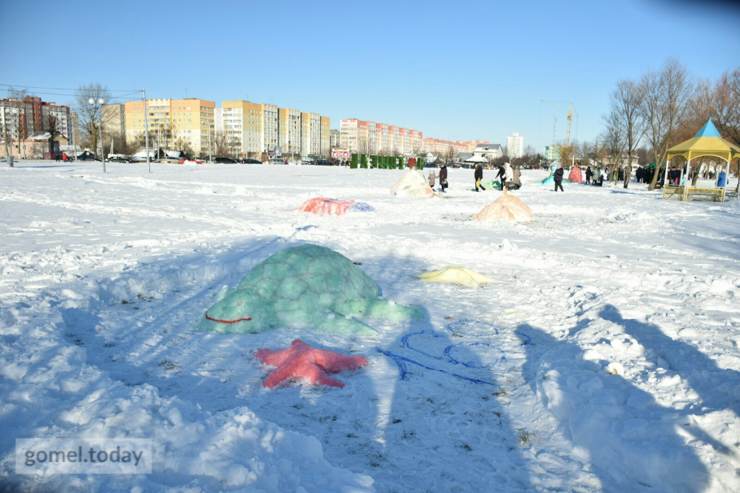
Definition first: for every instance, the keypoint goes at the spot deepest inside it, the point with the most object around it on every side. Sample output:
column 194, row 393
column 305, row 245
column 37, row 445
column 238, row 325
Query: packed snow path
column 603, row 354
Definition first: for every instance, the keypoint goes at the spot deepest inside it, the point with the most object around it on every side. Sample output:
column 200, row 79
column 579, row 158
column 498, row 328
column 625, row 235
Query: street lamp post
column 100, row 102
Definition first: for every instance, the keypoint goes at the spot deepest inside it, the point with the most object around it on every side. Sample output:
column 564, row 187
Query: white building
column 515, row 145
column 488, row 151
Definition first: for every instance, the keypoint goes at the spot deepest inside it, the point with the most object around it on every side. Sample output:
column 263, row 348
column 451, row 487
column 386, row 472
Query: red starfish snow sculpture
column 303, row 362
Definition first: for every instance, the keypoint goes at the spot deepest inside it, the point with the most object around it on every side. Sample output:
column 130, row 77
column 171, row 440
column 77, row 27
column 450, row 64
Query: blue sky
column 462, row 69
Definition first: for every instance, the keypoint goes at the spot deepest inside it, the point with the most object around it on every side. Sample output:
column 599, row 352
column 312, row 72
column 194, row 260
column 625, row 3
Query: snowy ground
column 603, row 356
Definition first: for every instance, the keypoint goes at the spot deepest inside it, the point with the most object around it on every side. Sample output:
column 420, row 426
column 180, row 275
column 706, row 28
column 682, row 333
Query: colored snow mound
column 304, row 287
column 575, row 175
column 325, row 206
column 507, row 207
column 362, row 207
column 305, row 363
column 456, row 275
column 412, row 184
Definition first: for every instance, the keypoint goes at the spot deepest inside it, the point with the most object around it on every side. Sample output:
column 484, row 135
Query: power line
column 75, row 90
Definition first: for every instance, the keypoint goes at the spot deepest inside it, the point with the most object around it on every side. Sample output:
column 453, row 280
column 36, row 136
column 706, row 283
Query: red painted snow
column 303, row 362
column 325, row 206
column 575, row 175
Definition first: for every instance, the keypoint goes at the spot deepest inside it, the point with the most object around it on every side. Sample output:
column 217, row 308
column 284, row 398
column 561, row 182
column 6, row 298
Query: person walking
column 589, row 175
column 478, row 175
column 432, row 179
column 443, row 177
column 558, row 177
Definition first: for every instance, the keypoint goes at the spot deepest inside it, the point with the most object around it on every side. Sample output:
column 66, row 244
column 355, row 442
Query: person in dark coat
column 478, row 175
column 501, row 176
column 443, row 177
column 589, row 175
column 558, row 177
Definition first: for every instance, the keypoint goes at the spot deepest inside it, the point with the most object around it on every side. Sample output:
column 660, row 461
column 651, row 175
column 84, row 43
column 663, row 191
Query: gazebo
column 706, row 142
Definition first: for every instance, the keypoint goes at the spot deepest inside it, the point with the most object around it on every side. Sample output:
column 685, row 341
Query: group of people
column 509, row 177
column 442, row 178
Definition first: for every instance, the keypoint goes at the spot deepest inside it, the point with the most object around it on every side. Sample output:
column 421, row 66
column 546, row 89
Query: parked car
column 224, row 160
column 251, row 161
column 118, row 158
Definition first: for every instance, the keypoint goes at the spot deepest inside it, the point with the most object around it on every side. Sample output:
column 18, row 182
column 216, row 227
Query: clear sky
column 454, row 69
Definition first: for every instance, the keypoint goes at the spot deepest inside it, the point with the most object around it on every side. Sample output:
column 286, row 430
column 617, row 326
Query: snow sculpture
column 326, row 206
column 551, row 177
column 303, row 362
column 307, row 286
column 412, row 184
column 507, row 207
column 575, row 175
column 455, row 275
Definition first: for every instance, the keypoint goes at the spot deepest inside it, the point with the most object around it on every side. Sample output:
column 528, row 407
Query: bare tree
column 664, row 104
column 626, row 104
column 613, row 141
column 90, row 114
column 221, row 144
column 53, row 130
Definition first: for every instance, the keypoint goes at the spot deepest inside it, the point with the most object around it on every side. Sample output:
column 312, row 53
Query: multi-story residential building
column 192, row 122
column 12, row 121
column 173, row 122
column 379, row 138
column 30, row 116
column 348, row 134
column 310, row 134
column 326, row 133
column 243, row 122
column 114, row 120
column 270, row 128
column 515, row 145
column 552, row 152
column 335, row 138
column 289, row 131
column 218, row 120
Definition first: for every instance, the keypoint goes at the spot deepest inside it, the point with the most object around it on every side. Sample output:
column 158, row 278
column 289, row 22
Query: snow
column 602, row 355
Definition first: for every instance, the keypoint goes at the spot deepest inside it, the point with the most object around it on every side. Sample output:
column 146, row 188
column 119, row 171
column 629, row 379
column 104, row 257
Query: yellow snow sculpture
column 412, row 184
column 455, row 275
column 507, row 207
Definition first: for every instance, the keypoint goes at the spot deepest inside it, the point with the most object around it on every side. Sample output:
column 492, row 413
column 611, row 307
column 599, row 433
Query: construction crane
column 569, row 118
column 569, row 115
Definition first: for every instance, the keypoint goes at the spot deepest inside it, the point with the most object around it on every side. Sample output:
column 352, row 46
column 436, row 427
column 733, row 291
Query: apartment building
column 12, row 121
column 310, row 134
column 325, row 136
column 515, row 145
column 379, row 138
column 289, row 131
column 173, row 122
column 243, row 122
column 114, row 120
column 270, row 128
column 30, row 116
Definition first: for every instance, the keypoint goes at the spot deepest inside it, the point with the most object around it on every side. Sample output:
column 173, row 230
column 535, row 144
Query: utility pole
column 146, row 130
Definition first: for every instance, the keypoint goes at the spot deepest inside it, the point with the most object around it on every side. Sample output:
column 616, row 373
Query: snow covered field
column 603, row 356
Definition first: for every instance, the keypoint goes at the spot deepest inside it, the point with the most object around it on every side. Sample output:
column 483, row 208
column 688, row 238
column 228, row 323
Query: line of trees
column 664, row 108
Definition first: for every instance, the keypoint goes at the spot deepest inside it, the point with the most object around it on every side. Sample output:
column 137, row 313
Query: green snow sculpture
column 304, row 287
